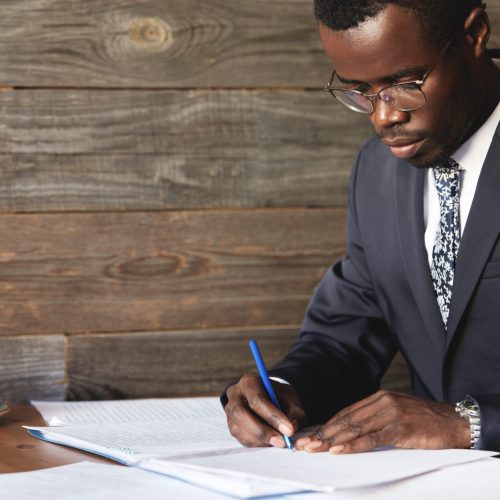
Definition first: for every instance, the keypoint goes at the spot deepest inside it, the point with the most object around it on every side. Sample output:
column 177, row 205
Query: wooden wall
column 172, row 183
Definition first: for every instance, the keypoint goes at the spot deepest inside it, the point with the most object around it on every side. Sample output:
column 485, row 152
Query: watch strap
column 469, row 410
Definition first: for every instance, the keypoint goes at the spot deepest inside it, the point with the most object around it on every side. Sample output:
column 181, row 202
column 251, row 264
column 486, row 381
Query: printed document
column 188, row 439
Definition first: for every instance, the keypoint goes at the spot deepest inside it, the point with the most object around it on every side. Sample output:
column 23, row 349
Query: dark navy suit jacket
column 379, row 299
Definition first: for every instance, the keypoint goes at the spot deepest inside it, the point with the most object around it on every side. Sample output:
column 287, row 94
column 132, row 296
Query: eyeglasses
column 404, row 96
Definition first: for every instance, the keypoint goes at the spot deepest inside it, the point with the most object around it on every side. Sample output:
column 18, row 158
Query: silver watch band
column 469, row 410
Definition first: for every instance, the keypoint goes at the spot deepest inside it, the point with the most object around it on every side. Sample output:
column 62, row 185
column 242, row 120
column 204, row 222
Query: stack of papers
column 188, row 439
column 94, row 481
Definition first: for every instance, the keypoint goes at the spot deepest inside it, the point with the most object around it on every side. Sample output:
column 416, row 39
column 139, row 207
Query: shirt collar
column 472, row 153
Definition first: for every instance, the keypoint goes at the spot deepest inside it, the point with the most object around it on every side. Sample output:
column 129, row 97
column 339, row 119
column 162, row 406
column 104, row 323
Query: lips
column 403, row 147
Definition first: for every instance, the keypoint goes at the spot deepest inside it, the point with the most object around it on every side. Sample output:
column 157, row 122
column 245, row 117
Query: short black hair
column 439, row 19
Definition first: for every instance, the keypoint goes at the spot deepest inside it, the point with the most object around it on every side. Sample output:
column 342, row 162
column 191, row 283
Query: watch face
column 470, row 406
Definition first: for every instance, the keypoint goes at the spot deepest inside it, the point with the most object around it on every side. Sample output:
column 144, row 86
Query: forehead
column 380, row 46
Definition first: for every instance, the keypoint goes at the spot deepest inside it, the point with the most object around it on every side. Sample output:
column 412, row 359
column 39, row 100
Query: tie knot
column 446, row 173
column 449, row 167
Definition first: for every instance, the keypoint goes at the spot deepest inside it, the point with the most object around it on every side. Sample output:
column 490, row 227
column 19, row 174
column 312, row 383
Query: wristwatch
column 469, row 409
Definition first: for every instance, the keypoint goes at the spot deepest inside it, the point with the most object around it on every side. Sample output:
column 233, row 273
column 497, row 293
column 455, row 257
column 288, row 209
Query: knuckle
column 234, row 412
column 373, row 439
column 387, row 397
column 260, row 435
column 274, row 420
column 246, row 379
column 354, row 429
column 331, row 441
column 233, row 430
column 231, row 391
column 255, row 402
column 342, row 420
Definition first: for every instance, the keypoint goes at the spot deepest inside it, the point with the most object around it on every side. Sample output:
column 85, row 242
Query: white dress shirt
column 470, row 156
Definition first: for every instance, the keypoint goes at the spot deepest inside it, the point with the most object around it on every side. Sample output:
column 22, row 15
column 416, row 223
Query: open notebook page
column 129, row 442
column 130, row 410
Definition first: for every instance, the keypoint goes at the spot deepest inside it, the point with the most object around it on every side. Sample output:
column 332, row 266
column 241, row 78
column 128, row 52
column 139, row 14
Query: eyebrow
column 404, row 73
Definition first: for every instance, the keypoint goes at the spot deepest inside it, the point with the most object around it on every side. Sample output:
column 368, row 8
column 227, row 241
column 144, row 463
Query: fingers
column 345, row 429
column 367, row 442
column 349, row 424
column 388, row 418
column 253, row 419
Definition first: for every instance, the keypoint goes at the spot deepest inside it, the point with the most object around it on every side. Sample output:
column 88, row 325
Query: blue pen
column 267, row 383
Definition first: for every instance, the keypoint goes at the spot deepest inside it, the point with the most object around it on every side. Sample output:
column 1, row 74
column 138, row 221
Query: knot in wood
column 150, row 33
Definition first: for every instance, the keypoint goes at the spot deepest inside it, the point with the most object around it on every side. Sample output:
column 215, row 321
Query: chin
column 431, row 159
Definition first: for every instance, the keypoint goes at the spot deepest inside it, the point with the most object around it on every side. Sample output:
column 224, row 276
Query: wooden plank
column 120, row 272
column 31, row 367
column 493, row 10
column 153, row 43
column 202, row 125
column 157, row 364
column 49, row 183
column 81, row 150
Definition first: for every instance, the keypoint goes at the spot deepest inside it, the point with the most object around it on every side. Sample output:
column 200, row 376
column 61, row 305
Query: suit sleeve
column 345, row 346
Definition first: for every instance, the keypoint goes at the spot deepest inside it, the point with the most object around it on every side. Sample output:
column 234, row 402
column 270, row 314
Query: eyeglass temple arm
column 329, row 84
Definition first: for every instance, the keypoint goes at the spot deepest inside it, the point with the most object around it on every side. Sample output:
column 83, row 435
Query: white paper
column 132, row 441
column 479, row 480
column 228, row 484
column 323, row 471
column 130, row 410
column 200, row 449
column 189, row 427
column 92, row 481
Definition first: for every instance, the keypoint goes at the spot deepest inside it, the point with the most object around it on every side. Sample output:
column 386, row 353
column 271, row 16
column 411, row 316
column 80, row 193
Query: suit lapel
column 409, row 201
column 480, row 234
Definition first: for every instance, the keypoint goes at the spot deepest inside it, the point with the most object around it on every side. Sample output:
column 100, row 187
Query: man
column 422, row 269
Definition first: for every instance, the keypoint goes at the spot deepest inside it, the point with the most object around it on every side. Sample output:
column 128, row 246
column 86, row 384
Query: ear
column 477, row 30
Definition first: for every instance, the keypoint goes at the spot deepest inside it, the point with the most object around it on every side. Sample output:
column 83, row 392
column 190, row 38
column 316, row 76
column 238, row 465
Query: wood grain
column 153, row 43
column 158, row 364
column 31, row 367
column 165, row 364
column 20, row 452
column 98, row 150
column 127, row 182
column 120, row 272
column 493, row 10
column 196, row 126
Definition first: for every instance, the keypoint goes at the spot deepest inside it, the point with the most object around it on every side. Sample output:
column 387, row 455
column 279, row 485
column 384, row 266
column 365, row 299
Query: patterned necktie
column 447, row 178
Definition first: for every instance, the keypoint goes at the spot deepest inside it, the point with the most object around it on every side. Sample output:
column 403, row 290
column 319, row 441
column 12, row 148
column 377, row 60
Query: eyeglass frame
column 372, row 98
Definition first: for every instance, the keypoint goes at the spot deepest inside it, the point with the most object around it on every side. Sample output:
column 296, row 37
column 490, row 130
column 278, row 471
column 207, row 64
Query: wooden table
column 19, row 451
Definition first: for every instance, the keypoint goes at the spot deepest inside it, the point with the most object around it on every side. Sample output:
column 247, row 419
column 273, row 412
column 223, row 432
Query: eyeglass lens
column 403, row 97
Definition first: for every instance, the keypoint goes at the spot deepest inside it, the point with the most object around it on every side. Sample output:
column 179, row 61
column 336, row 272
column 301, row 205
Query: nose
column 385, row 116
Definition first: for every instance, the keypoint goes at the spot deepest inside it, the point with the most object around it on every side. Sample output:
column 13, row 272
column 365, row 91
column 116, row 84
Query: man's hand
column 254, row 421
column 390, row 419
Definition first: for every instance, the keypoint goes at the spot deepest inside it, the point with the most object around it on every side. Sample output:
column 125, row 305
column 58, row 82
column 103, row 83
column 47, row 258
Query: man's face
column 388, row 49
